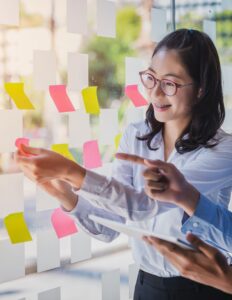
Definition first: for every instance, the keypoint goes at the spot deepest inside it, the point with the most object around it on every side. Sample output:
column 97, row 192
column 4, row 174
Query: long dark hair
column 199, row 55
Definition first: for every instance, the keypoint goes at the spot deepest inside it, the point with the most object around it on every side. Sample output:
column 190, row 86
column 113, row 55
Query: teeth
column 162, row 106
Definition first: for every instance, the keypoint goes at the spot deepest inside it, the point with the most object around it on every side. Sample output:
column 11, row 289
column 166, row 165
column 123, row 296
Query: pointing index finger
column 130, row 157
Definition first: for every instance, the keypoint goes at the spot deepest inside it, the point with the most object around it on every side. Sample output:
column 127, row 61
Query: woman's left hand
column 41, row 165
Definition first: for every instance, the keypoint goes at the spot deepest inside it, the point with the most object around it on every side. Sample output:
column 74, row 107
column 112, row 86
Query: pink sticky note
column 19, row 142
column 60, row 98
column 91, row 155
column 133, row 93
column 62, row 223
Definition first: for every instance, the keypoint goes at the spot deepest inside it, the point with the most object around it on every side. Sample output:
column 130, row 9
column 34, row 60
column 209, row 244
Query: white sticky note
column 79, row 128
column 209, row 27
column 78, row 71
column 227, row 124
column 111, row 285
column 80, row 246
column 134, row 114
column 44, row 69
column 108, row 126
column 133, row 273
column 133, row 66
column 44, row 201
column 77, row 16
column 48, row 250
column 106, row 18
column 226, row 4
column 12, row 260
column 9, row 12
column 158, row 24
column 52, row 294
column 226, row 79
column 11, row 190
column 11, row 127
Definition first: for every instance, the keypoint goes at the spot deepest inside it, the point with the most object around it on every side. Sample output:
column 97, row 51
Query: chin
column 161, row 117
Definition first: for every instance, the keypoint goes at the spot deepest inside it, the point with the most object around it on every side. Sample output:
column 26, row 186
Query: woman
column 182, row 127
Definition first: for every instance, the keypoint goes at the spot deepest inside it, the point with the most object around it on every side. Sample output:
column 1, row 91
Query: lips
column 161, row 105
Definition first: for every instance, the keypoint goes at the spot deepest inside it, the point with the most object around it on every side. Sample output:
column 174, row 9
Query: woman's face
column 166, row 64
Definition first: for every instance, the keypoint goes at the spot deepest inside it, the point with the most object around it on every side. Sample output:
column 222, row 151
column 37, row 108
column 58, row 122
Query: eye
column 149, row 77
column 169, row 83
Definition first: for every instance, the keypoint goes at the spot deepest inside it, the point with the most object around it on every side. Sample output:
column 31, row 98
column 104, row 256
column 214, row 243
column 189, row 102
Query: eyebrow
column 169, row 74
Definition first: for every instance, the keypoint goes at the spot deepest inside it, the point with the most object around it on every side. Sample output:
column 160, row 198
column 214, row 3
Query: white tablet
column 137, row 232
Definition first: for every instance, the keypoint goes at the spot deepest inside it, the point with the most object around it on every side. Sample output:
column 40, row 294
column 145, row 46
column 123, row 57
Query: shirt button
column 195, row 224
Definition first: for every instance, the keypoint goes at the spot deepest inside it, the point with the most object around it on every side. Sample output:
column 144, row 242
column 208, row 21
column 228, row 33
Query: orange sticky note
column 63, row 150
column 19, row 142
column 62, row 223
column 17, row 94
column 90, row 99
column 133, row 93
column 60, row 98
column 17, row 228
column 91, row 155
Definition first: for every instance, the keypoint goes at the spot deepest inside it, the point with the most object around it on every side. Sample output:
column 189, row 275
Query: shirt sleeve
column 117, row 194
column 212, row 223
column 80, row 215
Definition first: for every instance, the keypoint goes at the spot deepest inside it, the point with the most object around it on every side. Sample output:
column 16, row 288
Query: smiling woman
column 182, row 127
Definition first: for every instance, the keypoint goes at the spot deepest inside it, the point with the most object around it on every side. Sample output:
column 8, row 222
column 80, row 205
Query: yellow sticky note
column 17, row 94
column 17, row 228
column 63, row 150
column 90, row 98
column 117, row 140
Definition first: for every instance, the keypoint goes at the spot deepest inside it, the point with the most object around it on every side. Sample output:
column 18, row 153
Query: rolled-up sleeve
column 212, row 223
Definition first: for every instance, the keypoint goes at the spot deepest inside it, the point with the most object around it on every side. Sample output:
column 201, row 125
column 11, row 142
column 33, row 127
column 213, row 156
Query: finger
column 31, row 150
column 156, row 186
column 208, row 250
column 130, row 157
column 152, row 173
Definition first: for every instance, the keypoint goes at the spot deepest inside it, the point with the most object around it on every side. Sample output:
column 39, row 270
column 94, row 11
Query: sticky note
column 11, row 188
column 117, row 140
column 226, row 79
column 17, row 94
column 51, row 294
column 133, row 65
column 133, row 93
column 44, row 69
column 106, row 18
column 226, row 4
column 11, row 122
column 45, row 201
column 79, row 129
column 108, row 126
column 78, row 71
column 48, row 250
column 19, row 142
column 158, row 24
column 63, row 150
column 17, row 228
column 77, row 16
column 209, row 27
column 9, row 12
column 111, row 285
column 62, row 223
column 91, row 155
column 80, row 246
column 60, row 98
column 90, row 99
column 12, row 260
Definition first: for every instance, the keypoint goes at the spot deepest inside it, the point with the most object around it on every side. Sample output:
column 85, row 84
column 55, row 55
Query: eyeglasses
column 169, row 87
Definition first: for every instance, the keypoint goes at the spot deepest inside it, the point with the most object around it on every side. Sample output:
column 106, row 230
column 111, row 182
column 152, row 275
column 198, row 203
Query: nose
column 157, row 91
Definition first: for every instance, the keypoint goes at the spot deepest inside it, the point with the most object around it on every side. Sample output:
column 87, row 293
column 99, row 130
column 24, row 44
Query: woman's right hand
column 62, row 191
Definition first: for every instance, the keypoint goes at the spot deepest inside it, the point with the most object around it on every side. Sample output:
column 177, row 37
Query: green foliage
column 107, row 56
